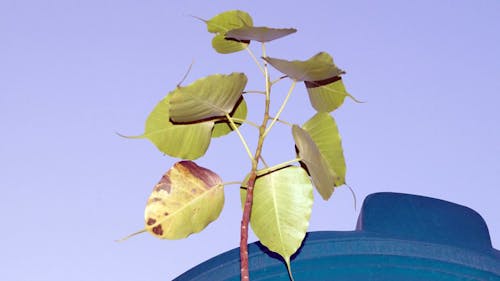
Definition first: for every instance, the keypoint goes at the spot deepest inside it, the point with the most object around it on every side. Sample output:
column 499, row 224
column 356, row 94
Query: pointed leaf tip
column 281, row 210
column 186, row 199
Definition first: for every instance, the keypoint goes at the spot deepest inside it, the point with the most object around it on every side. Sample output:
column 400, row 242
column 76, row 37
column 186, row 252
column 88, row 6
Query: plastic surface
column 398, row 237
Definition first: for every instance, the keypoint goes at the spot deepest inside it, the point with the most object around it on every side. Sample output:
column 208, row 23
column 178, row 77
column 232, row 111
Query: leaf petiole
column 282, row 107
column 279, row 79
column 235, row 128
column 239, row 120
column 254, row 58
column 277, row 167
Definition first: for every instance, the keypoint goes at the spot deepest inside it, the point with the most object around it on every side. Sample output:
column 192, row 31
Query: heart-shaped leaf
column 186, row 141
column 324, row 132
column 208, row 97
column 282, row 204
column 227, row 46
column 327, row 95
column 260, row 34
column 222, row 23
column 318, row 67
column 187, row 198
column 223, row 126
column 321, row 174
column 228, row 20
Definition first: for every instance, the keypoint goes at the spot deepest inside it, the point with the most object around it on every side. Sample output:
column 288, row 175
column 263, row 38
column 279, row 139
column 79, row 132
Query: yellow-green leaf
column 223, row 127
column 318, row 67
column 186, row 141
column 326, row 95
column 324, row 132
column 187, row 198
column 208, row 97
column 260, row 34
column 227, row 46
column 282, row 204
column 321, row 174
column 222, row 23
column 228, row 20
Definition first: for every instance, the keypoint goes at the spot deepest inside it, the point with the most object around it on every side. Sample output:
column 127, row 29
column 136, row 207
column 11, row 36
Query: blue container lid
column 398, row 237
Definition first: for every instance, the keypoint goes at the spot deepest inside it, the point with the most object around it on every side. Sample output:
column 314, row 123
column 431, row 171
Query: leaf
column 324, row 132
column 222, row 23
column 260, row 34
column 187, row 198
column 326, row 95
column 321, row 174
column 182, row 141
column 282, row 204
column 318, row 67
column 227, row 46
column 208, row 97
column 223, row 127
column 228, row 20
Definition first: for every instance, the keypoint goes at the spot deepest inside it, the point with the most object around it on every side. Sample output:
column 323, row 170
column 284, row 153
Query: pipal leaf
column 227, row 46
column 260, row 34
column 187, row 198
column 326, row 95
column 282, row 204
column 228, row 20
column 222, row 23
column 321, row 174
column 208, row 97
column 318, row 67
column 223, row 126
column 188, row 141
column 324, row 132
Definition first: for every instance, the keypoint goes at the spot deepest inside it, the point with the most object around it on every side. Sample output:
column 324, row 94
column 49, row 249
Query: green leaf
column 222, row 23
column 187, row 198
column 326, row 95
column 223, row 127
column 228, row 20
column 324, row 132
column 260, row 34
column 227, row 46
column 208, row 97
column 321, row 174
column 282, row 204
column 318, row 67
column 182, row 141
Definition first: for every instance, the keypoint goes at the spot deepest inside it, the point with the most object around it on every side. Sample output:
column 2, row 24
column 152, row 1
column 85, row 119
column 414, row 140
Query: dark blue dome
column 398, row 237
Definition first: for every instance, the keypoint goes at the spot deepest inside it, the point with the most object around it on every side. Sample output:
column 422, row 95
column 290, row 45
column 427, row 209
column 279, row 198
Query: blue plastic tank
column 398, row 237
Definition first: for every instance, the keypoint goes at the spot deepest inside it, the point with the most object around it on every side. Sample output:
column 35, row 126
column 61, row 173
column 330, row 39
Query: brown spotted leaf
column 187, row 198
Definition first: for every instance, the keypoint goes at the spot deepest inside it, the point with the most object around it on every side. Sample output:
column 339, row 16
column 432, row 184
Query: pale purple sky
column 72, row 73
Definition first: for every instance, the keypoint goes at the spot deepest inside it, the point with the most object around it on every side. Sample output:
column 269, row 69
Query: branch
column 282, row 107
column 235, row 128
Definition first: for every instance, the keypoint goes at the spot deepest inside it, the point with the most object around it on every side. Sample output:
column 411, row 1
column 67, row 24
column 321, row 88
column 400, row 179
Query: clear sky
column 72, row 73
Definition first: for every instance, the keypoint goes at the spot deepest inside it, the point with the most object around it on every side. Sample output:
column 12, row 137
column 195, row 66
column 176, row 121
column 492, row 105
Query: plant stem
column 283, row 122
column 247, row 210
column 235, row 128
column 276, row 167
column 239, row 120
column 255, row 60
column 282, row 107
